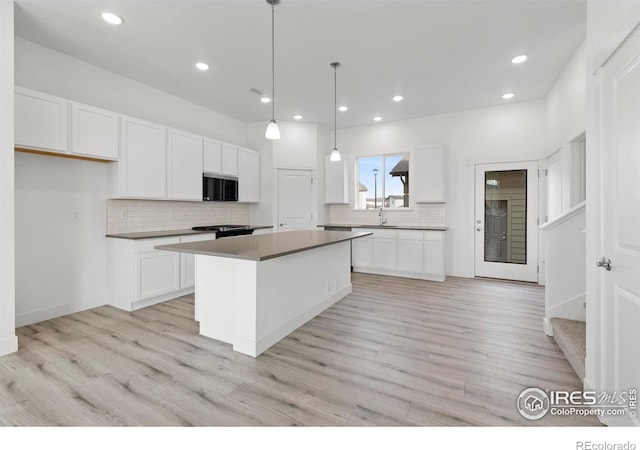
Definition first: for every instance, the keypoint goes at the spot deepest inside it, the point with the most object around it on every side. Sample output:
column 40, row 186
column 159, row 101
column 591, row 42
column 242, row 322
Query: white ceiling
column 442, row 56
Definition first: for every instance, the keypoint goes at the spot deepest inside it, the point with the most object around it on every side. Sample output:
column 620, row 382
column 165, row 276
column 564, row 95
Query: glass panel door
column 506, row 228
column 505, row 216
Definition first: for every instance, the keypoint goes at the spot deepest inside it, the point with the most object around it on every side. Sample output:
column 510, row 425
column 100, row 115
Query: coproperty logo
column 534, row 403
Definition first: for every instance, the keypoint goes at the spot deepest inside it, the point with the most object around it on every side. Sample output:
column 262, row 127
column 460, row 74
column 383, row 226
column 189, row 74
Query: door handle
column 478, row 229
column 282, row 224
column 606, row 263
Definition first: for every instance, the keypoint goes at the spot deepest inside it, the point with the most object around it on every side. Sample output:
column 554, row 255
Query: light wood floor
column 394, row 352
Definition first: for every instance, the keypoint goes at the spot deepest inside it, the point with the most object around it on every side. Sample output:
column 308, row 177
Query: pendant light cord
column 335, row 106
column 273, row 62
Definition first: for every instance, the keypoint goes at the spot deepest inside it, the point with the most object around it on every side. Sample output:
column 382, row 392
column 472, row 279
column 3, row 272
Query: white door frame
column 521, row 272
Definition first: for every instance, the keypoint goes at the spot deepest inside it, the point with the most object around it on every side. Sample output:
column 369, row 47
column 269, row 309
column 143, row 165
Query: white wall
column 8, row 341
column 49, row 71
column 567, row 102
column 302, row 147
column 514, row 132
column 61, row 253
column 61, row 262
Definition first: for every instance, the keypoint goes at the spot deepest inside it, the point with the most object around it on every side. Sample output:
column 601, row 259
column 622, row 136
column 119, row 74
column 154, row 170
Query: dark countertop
column 169, row 233
column 386, row 227
column 264, row 246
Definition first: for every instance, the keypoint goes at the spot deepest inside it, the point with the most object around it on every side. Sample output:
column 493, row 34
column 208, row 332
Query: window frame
column 404, row 154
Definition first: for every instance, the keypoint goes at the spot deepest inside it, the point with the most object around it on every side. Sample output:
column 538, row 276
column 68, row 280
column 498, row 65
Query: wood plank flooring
column 394, row 352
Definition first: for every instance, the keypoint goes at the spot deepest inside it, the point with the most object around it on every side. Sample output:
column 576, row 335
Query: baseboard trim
column 394, row 273
column 27, row 318
column 133, row 306
column 255, row 348
column 8, row 345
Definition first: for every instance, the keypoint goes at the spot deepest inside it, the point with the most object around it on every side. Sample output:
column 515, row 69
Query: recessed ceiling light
column 377, row 118
column 265, row 99
column 519, row 59
column 202, row 66
column 297, row 117
column 112, row 18
column 398, row 98
column 342, row 108
column 508, row 95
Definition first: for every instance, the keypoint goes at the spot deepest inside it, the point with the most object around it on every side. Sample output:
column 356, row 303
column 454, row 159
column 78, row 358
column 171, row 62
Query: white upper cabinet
column 336, row 181
column 428, row 174
column 212, row 156
column 248, row 176
column 220, row 158
column 41, row 121
column 184, row 166
column 229, row 159
column 94, row 132
column 142, row 166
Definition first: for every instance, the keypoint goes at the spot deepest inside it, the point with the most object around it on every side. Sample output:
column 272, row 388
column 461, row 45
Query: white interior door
column 295, row 200
column 506, row 216
column 620, row 223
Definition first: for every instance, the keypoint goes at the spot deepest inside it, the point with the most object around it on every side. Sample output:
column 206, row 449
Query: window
column 383, row 181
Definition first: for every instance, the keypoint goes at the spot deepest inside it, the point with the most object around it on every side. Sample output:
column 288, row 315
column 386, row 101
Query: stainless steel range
column 226, row 230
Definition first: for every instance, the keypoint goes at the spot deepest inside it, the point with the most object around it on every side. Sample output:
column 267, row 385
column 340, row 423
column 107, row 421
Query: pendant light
column 335, row 154
column 273, row 131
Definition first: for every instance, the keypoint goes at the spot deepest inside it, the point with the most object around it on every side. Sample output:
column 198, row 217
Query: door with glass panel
column 505, row 225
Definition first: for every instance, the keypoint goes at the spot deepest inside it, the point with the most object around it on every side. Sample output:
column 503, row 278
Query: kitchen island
column 251, row 291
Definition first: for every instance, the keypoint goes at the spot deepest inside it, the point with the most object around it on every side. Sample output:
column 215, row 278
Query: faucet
column 383, row 219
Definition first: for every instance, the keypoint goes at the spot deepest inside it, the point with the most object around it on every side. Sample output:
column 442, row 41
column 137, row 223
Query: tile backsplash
column 127, row 216
column 428, row 214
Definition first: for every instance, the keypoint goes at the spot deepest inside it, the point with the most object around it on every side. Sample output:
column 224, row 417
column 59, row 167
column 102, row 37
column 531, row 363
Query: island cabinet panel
column 254, row 304
column 248, row 176
column 41, row 121
column 94, row 132
column 184, row 166
column 141, row 172
column 428, row 174
column 403, row 253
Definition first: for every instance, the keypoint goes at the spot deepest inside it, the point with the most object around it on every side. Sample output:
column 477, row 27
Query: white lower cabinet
column 362, row 253
column 403, row 253
column 385, row 249
column 263, row 231
column 140, row 275
column 410, row 252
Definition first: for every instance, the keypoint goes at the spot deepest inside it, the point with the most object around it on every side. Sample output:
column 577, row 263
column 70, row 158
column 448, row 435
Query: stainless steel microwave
column 219, row 188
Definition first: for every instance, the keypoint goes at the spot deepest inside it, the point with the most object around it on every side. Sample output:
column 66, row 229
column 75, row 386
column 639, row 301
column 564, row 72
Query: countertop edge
column 388, row 227
column 257, row 258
